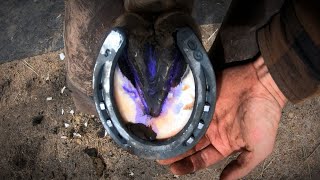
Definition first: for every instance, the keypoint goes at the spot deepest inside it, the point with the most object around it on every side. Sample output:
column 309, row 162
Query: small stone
column 72, row 112
column 64, row 137
column 66, row 125
column 62, row 56
column 78, row 141
column 49, row 98
column 48, row 77
column 77, row 135
column 290, row 115
column 110, row 153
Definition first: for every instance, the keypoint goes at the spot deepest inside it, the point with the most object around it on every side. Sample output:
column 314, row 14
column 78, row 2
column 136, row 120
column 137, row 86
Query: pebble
column 66, row 125
column 290, row 115
column 78, row 141
column 62, row 56
column 77, row 135
column 48, row 77
column 110, row 153
column 72, row 112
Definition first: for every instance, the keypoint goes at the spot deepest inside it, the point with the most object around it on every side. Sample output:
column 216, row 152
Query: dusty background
column 30, row 27
column 36, row 144
column 43, row 139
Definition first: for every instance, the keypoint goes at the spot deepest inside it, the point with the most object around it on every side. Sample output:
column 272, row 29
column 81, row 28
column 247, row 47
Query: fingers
column 240, row 167
column 197, row 161
column 204, row 142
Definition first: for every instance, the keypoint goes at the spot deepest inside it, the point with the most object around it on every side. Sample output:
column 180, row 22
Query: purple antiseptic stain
column 165, row 106
column 176, row 68
column 131, row 91
column 135, row 90
column 177, row 91
column 125, row 59
column 141, row 118
column 142, row 100
column 178, row 107
column 151, row 61
column 134, row 79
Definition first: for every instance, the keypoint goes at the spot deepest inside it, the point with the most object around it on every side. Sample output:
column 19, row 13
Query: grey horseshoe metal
column 204, row 77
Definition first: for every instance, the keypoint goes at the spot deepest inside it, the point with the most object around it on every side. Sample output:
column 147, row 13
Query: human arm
column 246, row 120
column 289, row 45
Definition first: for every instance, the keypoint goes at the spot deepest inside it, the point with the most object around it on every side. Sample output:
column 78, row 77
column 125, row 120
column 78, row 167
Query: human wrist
column 267, row 81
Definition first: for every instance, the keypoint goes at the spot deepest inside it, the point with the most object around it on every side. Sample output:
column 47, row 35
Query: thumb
column 240, row 167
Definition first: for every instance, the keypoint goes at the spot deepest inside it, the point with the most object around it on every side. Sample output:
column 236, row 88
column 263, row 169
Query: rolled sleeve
column 291, row 50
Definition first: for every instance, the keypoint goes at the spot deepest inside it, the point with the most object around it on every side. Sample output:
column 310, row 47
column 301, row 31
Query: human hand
column 246, row 119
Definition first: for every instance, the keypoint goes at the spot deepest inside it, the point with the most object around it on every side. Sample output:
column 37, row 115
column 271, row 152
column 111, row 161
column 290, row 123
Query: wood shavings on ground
column 77, row 135
column 62, row 90
column 48, row 77
column 66, row 125
column 72, row 112
column 30, row 67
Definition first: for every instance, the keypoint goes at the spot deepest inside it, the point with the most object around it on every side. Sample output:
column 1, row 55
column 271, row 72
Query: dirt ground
column 39, row 141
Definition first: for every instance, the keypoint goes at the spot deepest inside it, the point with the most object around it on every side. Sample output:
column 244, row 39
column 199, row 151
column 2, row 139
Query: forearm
column 291, row 50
